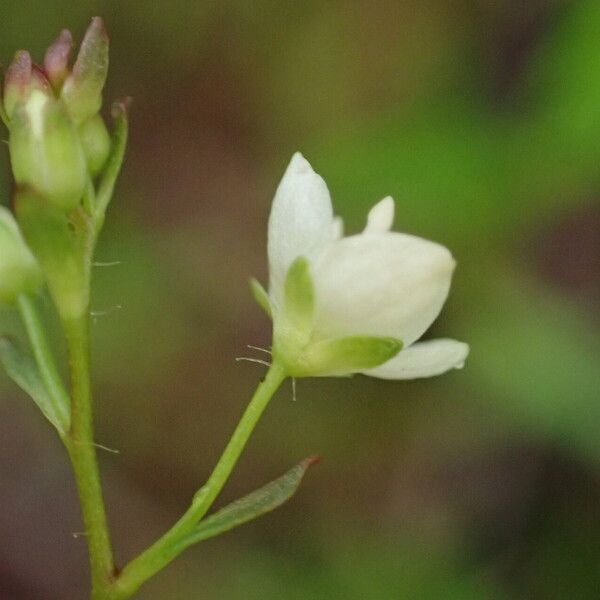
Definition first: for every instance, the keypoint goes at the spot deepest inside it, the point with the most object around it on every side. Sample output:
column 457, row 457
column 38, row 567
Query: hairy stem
column 83, row 457
column 161, row 553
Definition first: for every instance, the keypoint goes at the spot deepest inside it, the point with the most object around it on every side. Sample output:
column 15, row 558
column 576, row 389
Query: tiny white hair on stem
column 95, row 314
column 107, row 449
column 111, row 263
column 100, row 446
column 253, row 360
column 265, row 350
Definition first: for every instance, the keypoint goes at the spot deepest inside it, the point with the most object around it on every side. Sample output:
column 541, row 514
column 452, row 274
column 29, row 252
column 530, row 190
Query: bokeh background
column 482, row 119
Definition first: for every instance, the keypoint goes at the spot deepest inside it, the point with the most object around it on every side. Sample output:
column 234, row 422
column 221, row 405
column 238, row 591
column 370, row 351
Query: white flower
column 342, row 305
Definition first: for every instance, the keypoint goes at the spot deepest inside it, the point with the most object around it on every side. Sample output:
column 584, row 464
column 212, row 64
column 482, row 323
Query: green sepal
column 24, row 372
column 261, row 296
column 250, row 507
column 3, row 115
column 82, row 90
column 112, row 168
column 96, row 143
column 59, row 244
column 344, row 356
column 45, row 151
column 299, row 297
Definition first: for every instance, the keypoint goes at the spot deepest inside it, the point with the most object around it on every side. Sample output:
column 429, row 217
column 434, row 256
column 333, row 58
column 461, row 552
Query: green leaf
column 343, row 356
column 261, row 296
column 23, row 371
column 19, row 271
column 299, row 295
column 252, row 506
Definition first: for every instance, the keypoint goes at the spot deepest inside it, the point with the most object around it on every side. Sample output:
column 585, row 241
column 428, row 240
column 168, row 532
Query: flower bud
column 56, row 60
column 96, row 143
column 45, row 151
column 82, row 90
column 19, row 271
column 22, row 78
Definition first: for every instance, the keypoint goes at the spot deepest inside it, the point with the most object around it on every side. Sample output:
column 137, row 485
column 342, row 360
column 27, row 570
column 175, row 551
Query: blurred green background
column 482, row 119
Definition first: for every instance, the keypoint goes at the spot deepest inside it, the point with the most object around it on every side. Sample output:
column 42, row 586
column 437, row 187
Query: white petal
column 424, row 359
column 389, row 284
column 337, row 230
column 381, row 217
column 300, row 223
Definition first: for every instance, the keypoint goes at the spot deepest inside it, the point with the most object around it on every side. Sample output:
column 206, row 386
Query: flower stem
column 83, row 457
column 162, row 552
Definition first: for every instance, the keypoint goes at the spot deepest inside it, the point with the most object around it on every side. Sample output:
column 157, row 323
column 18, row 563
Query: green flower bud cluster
column 57, row 138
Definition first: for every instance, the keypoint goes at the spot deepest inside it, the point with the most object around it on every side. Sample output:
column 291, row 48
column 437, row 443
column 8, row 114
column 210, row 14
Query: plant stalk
column 83, row 457
column 162, row 552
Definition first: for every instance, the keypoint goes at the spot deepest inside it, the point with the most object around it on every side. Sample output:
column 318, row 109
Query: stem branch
column 162, row 552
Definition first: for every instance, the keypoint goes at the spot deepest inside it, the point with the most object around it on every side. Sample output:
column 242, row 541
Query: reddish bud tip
column 97, row 27
column 312, row 460
column 39, row 80
column 94, row 49
column 82, row 90
column 56, row 60
column 21, row 78
column 18, row 74
column 95, row 42
column 121, row 107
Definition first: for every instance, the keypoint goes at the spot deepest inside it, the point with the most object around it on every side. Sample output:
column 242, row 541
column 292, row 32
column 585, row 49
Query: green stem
column 43, row 355
column 161, row 553
column 83, row 457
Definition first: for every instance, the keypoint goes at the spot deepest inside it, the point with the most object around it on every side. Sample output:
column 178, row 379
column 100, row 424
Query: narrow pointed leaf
column 261, row 296
column 23, row 371
column 299, row 295
column 252, row 506
column 343, row 356
column 19, row 271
